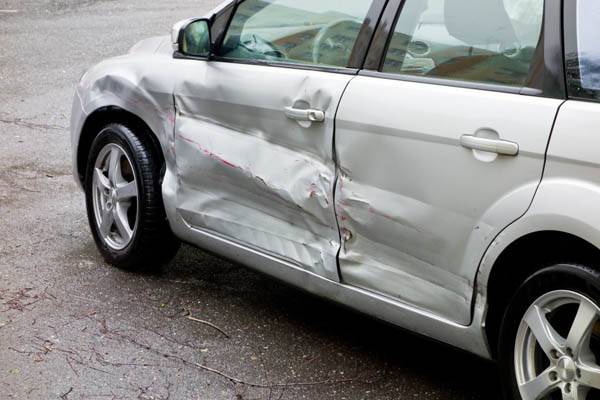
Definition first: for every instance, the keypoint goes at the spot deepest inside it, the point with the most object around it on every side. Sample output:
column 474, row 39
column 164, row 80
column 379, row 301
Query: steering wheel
column 325, row 39
column 256, row 44
column 511, row 52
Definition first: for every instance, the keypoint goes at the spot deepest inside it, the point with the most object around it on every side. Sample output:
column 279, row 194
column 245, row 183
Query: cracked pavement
column 72, row 327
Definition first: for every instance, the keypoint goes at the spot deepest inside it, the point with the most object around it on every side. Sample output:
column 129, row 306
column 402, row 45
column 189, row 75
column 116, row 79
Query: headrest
column 479, row 22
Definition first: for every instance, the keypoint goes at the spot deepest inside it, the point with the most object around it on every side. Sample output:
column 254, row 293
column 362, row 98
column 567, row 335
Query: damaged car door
column 441, row 145
column 254, row 129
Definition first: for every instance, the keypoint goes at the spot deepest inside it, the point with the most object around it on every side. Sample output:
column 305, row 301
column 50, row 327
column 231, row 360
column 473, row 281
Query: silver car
column 432, row 163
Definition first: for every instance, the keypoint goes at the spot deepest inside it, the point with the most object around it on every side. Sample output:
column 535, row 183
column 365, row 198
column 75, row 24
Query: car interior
column 274, row 31
column 462, row 39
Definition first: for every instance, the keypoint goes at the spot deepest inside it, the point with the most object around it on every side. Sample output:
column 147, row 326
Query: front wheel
column 124, row 201
column 550, row 337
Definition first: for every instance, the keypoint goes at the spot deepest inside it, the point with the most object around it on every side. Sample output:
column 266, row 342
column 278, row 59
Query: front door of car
column 254, row 130
column 441, row 149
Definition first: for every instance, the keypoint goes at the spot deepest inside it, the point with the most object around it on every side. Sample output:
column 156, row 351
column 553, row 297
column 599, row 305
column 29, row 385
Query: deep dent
column 248, row 173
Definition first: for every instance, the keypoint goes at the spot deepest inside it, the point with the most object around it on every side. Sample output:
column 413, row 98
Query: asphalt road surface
column 72, row 327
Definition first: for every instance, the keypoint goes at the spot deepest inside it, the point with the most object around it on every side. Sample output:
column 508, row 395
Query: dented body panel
column 378, row 206
column 127, row 83
column 248, row 172
column 243, row 180
column 418, row 210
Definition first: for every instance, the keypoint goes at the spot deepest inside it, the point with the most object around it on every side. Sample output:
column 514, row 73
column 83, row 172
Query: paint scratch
column 210, row 154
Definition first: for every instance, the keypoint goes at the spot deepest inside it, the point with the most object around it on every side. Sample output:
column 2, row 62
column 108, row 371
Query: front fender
column 139, row 84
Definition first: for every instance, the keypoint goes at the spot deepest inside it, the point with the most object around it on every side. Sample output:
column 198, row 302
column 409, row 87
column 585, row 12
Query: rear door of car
column 441, row 143
column 255, row 125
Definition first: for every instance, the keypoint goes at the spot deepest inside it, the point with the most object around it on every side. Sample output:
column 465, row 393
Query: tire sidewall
column 119, row 135
column 576, row 278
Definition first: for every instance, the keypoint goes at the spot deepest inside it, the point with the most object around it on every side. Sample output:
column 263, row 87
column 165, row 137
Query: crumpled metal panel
column 416, row 210
column 129, row 83
column 241, row 170
column 248, row 172
column 392, row 245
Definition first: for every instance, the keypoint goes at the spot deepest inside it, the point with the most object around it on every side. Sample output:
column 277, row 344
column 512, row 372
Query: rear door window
column 582, row 46
column 485, row 41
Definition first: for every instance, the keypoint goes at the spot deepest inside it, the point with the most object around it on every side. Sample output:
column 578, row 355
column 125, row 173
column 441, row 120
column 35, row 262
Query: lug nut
column 569, row 352
column 554, row 354
column 568, row 388
column 578, row 373
column 553, row 376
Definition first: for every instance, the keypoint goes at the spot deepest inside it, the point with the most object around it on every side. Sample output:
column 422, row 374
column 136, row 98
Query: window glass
column 583, row 49
column 487, row 41
column 321, row 32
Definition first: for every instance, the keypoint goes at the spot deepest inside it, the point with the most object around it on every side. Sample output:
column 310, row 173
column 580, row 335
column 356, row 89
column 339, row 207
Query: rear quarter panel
column 568, row 198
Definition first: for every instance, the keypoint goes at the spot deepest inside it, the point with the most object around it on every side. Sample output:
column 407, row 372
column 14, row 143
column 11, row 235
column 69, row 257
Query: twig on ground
column 71, row 365
column 65, row 396
column 208, row 324
column 274, row 385
column 201, row 321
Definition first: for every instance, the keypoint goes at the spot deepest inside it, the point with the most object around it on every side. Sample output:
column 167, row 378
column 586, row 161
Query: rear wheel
column 550, row 337
column 124, row 201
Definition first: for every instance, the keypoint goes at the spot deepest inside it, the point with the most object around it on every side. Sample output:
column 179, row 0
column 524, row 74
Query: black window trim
column 357, row 58
column 548, row 82
column 570, row 38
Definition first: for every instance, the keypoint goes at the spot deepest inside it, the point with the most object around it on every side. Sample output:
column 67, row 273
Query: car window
column 485, row 41
column 583, row 49
column 319, row 32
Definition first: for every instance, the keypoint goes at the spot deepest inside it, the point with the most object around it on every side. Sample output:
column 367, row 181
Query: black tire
column 152, row 244
column 577, row 278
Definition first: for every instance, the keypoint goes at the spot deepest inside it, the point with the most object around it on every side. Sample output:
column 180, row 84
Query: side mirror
column 192, row 38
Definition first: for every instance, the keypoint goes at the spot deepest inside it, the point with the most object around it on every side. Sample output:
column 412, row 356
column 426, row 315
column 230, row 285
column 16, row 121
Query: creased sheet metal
column 250, row 173
column 417, row 210
column 402, row 256
column 238, row 169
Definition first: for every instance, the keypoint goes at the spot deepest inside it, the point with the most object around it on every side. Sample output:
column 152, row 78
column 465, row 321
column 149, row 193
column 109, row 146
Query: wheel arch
column 520, row 259
column 107, row 115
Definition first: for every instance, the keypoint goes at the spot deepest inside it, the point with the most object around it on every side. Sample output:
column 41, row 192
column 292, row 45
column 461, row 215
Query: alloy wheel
column 556, row 348
column 115, row 196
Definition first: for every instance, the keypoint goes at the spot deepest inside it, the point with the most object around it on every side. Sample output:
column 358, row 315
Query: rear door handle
column 498, row 146
column 299, row 114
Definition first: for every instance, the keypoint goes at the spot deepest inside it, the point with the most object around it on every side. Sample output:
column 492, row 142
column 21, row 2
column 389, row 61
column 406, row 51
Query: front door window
column 317, row 32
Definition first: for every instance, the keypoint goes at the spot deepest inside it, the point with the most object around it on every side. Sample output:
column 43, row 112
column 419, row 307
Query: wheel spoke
column 102, row 182
column 546, row 336
column 114, row 167
column 579, row 335
column 590, row 376
column 127, row 191
column 539, row 386
column 122, row 224
column 107, row 223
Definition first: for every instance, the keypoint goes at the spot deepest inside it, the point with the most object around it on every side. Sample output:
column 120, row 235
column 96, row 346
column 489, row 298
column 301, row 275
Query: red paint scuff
column 210, row 154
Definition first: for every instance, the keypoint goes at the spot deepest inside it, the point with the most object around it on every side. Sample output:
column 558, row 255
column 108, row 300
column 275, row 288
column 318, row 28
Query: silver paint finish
column 250, row 171
column 418, row 208
column 292, row 155
column 569, row 195
column 469, row 338
column 501, row 147
column 247, row 181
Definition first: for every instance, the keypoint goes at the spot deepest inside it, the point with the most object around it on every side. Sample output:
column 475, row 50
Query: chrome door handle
column 300, row 114
column 503, row 147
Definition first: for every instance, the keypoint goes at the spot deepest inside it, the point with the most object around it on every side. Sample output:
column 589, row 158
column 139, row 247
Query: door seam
column 338, row 172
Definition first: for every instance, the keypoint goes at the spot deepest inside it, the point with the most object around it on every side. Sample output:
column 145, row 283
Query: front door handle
column 498, row 146
column 310, row 115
